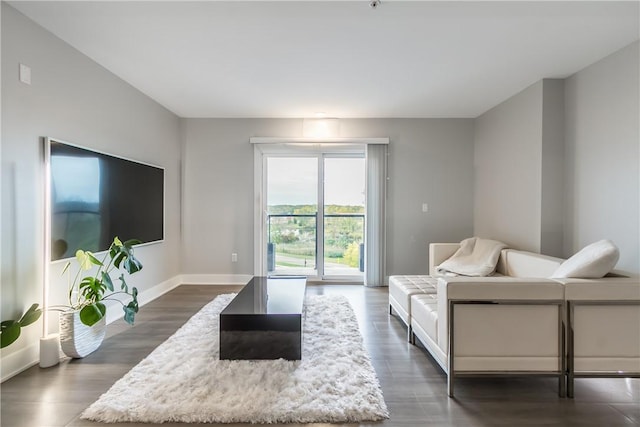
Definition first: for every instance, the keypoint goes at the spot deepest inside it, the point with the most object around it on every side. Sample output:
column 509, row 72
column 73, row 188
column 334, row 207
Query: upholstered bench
column 401, row 288
column 424, row 317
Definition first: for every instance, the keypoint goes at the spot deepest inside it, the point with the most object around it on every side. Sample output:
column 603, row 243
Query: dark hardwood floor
column 413, row 385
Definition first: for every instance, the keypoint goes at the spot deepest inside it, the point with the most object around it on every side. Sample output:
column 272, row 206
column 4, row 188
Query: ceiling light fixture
column 373, row 4
column 326, row 127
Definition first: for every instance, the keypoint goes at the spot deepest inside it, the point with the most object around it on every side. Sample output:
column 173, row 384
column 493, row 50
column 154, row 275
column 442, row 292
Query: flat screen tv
column 96, row 196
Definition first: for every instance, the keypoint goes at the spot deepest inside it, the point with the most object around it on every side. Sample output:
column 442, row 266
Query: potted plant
column 10, row 329
column 82, row 321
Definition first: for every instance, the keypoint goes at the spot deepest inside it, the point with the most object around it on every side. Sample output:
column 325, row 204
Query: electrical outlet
column 234, row 257
column 425, row 207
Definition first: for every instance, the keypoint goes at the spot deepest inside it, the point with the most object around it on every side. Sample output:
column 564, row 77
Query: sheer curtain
column 375, row 222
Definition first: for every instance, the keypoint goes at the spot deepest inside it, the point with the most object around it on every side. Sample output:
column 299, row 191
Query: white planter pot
column 77, row 339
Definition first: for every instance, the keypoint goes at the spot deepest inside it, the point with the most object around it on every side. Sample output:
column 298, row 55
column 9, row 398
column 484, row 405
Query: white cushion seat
column 401, row 288
column 424, row 312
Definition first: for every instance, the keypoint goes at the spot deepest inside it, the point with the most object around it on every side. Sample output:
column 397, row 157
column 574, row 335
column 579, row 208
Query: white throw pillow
column 591, row 262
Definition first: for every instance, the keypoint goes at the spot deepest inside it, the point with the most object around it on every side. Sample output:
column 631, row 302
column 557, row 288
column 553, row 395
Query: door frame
column 347, row 147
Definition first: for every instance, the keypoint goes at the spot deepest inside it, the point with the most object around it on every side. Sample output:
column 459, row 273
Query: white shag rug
column 183, row 380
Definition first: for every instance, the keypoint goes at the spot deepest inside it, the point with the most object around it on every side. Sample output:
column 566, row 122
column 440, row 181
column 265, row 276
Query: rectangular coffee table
column 264, row 321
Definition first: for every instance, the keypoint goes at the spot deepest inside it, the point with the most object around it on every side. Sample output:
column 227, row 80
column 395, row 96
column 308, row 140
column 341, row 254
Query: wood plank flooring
column 413, row 385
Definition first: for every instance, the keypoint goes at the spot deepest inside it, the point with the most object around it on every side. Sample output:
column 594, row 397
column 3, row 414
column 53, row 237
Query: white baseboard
column 216, row 279
column 18, row 361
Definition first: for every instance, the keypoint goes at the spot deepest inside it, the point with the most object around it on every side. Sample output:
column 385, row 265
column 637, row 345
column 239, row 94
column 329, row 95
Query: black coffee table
column 264, row 321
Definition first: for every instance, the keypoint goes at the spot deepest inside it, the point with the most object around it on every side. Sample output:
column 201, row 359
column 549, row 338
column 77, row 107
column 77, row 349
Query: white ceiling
column 343, row 58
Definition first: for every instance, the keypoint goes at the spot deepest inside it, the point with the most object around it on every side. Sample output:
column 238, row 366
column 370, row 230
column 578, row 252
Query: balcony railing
column 293, row 242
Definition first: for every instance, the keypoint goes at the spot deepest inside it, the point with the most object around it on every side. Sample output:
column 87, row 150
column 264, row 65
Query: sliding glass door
column 315, row 212
column 292, row 208
column 343, row 211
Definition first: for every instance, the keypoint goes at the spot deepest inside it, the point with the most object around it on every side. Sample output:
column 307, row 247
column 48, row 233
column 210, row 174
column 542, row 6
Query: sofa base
column 596, row 367
column 487, row 367
column 453, row 370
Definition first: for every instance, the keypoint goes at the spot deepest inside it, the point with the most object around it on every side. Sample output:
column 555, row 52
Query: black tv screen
column 96, row 196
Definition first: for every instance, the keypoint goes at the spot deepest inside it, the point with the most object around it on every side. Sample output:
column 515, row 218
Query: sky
column 293, row 181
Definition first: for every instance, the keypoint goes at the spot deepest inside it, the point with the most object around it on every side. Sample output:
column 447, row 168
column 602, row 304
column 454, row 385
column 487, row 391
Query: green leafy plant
column 87, row 294
column 10, row 329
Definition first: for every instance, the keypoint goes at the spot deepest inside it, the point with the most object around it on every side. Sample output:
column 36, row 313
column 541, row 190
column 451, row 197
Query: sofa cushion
column 527, row 264
column 402, row 287
column 424, row 311
column 591, row 262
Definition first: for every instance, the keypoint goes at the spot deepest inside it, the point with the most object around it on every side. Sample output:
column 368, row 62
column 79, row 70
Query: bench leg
column 449, row 385
column 569, row 385
column 450, row 355
column 562, row 386
column 570, row 349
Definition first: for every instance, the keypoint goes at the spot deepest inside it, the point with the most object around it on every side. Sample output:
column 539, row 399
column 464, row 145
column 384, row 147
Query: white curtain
column 375, row 223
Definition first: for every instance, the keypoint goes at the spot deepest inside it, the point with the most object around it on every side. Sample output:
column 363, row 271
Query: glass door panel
column 343, row 212
column 292, row 209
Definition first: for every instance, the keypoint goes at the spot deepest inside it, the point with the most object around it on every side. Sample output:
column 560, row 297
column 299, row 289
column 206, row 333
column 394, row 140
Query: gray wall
column 430, row 162
column 557, row 165
column 74, row 99
column 602, row 152
column 552, row 168
column 507, row 180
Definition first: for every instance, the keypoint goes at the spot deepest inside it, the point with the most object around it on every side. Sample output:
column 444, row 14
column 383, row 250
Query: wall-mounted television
column 96, row 196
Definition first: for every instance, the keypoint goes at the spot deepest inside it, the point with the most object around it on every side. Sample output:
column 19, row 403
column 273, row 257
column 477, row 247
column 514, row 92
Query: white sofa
column 514, row 323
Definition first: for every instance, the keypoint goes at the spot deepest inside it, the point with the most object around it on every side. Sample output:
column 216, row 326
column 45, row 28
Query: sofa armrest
column 604, row 289
column 499, row 288
column 439, row 252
